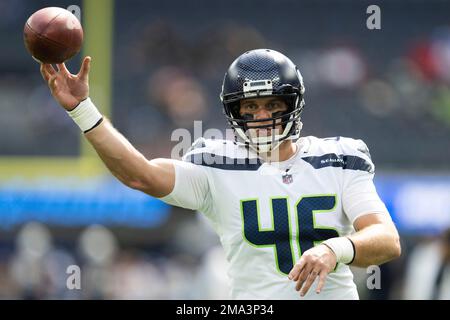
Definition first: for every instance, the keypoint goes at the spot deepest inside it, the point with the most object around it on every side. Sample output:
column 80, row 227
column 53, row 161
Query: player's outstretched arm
column 156, row 177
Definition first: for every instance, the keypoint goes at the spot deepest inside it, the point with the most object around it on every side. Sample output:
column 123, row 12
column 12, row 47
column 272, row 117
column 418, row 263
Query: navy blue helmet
column 263, row 73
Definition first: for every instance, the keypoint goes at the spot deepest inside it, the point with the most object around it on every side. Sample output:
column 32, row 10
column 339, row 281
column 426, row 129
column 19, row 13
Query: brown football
column 53, row 35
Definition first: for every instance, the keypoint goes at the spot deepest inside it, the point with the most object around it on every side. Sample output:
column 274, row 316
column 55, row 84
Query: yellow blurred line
column 97, row 20
column 30, row 168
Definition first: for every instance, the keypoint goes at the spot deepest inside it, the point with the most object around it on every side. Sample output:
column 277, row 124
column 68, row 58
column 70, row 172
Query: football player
column 290, row 211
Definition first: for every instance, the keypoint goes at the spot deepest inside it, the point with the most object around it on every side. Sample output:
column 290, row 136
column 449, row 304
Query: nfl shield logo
column 287, row 178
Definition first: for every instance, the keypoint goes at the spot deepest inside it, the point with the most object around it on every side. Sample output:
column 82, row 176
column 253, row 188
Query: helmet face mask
column 263, row 73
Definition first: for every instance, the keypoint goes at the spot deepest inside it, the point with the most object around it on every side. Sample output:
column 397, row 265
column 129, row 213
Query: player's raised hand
column 68, row 89
column 315, row 262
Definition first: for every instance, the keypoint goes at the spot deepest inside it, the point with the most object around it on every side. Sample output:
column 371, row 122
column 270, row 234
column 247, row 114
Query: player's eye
column 273, row 106
column 251, row 107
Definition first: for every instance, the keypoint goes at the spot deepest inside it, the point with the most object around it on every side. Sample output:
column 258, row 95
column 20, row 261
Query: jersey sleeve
column 191, row 189
column 359, row 195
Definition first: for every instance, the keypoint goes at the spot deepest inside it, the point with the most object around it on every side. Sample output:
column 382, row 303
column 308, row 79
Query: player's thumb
column 85, row 67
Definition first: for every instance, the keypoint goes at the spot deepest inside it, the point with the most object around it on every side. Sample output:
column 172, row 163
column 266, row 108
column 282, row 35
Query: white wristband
column 86, row 115
column 343, row 248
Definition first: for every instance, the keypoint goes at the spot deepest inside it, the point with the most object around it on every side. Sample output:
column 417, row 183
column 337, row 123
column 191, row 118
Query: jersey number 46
column 280, row 236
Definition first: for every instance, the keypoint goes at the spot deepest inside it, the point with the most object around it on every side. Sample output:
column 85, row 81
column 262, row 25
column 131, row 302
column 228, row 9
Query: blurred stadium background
column 157, row 66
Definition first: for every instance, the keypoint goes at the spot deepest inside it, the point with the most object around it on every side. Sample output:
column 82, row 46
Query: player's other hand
column 315, row 262
column 68, row 89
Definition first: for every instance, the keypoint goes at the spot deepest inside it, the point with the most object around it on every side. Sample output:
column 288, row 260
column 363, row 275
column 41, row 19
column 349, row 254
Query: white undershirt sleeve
column 191, row 190
column 360, row 197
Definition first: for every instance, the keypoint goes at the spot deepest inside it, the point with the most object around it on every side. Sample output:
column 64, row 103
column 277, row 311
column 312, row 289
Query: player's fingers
column 322, row 278
column 44, row 73
column 302, row 277
column 52, row 82
column 49, row 69
column 62, row 68
column 309, row 281
column 294, row 273
column 85, row 67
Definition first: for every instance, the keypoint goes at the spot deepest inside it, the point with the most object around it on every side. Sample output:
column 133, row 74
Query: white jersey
column 267, row 214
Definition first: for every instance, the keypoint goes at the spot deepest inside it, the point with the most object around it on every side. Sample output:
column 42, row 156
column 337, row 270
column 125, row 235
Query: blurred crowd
column 390, row 87
column 395, row 98
column 37, row 266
